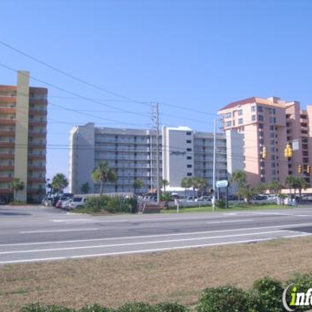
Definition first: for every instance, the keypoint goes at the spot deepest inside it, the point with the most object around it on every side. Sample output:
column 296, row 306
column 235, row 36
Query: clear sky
column 191, row 56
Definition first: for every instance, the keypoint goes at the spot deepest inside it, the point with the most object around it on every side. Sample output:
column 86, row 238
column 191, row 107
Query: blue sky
column 191, row 56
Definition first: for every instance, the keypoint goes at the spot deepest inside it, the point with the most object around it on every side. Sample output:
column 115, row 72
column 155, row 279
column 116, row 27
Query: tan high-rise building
column 23, row 131
column 268, row 125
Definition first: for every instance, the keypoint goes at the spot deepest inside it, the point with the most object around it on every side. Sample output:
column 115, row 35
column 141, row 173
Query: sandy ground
column 176, row 276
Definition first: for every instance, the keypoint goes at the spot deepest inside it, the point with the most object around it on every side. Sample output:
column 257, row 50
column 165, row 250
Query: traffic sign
column 222, row 183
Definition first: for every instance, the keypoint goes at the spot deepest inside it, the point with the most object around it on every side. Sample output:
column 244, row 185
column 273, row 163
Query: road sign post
column 221, row 184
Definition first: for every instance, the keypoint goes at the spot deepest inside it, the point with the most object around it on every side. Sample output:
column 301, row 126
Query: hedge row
column 112, row 204
column 128, row 307
column 265, row 296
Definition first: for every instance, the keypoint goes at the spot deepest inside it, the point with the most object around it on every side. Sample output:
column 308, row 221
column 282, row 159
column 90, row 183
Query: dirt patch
column 176, row 276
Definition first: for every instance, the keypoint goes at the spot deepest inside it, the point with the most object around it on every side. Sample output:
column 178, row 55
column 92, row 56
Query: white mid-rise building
column 133, row 154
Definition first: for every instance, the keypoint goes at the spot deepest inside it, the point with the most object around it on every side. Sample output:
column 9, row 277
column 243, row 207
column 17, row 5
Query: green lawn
column 230, row 209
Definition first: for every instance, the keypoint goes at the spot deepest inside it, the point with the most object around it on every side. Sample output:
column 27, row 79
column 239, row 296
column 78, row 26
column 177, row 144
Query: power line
column 97, row 87
column 72, row 93
column 72, row 76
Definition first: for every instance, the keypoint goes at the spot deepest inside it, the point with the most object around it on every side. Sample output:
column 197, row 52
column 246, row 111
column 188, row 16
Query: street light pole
column 213, row 201
column 157, row 154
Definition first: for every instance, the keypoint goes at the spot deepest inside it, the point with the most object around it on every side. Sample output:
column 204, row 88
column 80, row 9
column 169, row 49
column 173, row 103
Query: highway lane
column 40, row 234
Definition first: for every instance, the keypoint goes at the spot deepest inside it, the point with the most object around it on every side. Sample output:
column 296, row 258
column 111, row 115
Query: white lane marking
column 58, row 231
column 138, row 243
column 280, row 214
column 182, row 218
column 74, row 220
column 230, row 221
column 143, row 250
column 159, row 235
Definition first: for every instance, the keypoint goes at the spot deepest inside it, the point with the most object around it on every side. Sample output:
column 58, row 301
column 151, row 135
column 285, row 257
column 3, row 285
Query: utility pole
column 157, row 153
column 214, row 165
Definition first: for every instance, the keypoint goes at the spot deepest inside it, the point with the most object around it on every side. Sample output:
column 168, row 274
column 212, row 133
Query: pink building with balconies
column 268, row 125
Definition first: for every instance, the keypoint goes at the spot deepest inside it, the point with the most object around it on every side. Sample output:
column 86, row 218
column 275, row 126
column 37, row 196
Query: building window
column 260, row 109
column 228, row 115
column 228, row 124
column 240, row 121
column 188, row 133
column 188, row 141
column 240, row 112
column 189, row 174
column 253, row 118
column 188, row 149
column 260, row 117
column 253, row 108
column 189, row 157
column 189, row 166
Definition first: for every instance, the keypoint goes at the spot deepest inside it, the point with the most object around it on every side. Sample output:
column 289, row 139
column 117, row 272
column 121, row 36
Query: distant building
column 132, row 152
column 267, row 126
column 23, row 130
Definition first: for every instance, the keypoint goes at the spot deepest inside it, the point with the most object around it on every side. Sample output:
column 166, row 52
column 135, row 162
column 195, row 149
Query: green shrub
column 36, row 307
column 170, row 307
column 136, row 307
column 95, row 308
column 269, row 293
column 165, row 197
column 112, row 204
column 221, row 203
column 224, row 299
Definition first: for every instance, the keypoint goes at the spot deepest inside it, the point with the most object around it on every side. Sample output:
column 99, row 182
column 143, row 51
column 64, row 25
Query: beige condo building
column 268, row 125
column 23, row 131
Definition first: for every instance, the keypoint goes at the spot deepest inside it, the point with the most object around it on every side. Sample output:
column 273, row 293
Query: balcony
column 7, row 98
column 6, row 167
column 6, row 179
column 7, row 156
column 36, row 179
column 38, row 112
column 7, row 144
column 37, row 123
column 7, row 133
column 37, row 134
column 6, row 121
column 36, row 156
column 7, row 110
column 36, row 167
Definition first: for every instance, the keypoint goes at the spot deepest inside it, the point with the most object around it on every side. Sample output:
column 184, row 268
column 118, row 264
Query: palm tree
column 103, row 173
column 202, row 184
column 290, row 181
column 260, row 188
column 16, row 185
column 195, row 182
column 275, row 187
column 85, row 188
column 59, row 182
column 164, row 183
column 246, row 192
column 186, row 183
column 137, row 184
column 240, row 178
column 300, row 184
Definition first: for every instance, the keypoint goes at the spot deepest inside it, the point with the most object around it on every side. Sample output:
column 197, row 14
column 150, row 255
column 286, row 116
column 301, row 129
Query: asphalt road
column 29, row 234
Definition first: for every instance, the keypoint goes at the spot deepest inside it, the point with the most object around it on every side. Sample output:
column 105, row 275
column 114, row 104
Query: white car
column 77, row 202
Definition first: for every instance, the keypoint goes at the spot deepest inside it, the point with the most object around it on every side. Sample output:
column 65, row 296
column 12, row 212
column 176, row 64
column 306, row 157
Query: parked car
column 191, row 199
column 204, row 198
column 77, row 202
column 63, row 202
